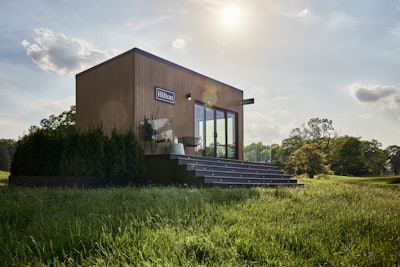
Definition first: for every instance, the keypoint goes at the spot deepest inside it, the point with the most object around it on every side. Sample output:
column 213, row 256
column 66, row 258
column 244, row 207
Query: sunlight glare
column 231, row 15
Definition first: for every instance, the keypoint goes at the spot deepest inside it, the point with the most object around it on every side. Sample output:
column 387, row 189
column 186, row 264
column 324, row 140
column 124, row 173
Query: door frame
column 214, row 152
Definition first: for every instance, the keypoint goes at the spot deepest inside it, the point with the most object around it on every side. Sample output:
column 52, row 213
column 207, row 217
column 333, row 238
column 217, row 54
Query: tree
column 7, row 148
column 257, row 152
column 346, row 157
column 4, row 159
column 65, row 119
column 308, row 159
column 276, row 156
column 394, row 158
column 319, row 131
column 291, row 144
column 374, row 157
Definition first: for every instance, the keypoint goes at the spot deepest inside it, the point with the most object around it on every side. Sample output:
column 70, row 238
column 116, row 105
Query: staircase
column 205, row 171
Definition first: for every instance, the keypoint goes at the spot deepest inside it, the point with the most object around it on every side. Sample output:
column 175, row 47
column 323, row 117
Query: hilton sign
column 164, row 95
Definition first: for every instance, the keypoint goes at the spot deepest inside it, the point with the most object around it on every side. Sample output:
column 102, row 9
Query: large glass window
column 209, row 141
column 199, row 119
column 217, row 129
column 220, row 132
column 231, row 135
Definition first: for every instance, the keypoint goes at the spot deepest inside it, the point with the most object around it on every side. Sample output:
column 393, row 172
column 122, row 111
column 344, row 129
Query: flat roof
column 162, row 60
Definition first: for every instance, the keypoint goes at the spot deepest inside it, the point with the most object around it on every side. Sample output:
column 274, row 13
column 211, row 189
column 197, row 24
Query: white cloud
column 341, row 20
column 55, row 52
column 391, row 55
column 179, row 43
column 396, row 30
column 267, row 126
column 303, row 13
column 365, row 116
column 383, row 97
column 56, row 107
column 145, row 25
column 207, row 4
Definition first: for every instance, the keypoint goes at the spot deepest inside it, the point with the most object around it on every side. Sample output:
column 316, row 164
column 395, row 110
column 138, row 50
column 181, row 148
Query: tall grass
column 4, row 177
column 326, row 223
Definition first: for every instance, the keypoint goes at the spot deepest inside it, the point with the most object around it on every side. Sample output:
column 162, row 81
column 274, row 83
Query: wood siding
column 120, row 93
column 105, row 95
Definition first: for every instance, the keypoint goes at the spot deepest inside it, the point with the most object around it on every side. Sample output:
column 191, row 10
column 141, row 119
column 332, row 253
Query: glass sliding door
column 199, row 127
column 220, row 133
column 210, row 133
column 217, row 129
column 231, row 135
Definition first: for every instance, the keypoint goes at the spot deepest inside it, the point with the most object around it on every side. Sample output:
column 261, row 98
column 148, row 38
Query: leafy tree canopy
column 316, row 145
column 308, row 159
column 7, row 148
column 63, row 120
column 257, row 152
column 319, row 131
column 394, row 158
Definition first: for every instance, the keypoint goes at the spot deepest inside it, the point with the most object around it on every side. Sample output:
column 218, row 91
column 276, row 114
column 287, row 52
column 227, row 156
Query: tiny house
column 190, row 126
column 163, row 103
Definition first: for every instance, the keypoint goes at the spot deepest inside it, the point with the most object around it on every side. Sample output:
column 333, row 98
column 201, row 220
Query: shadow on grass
column 373, row 181
column 383, row 180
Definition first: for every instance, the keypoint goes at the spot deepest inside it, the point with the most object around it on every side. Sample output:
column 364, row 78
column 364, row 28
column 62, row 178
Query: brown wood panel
column 150, row 73
column 105, row 95
column 120, row 93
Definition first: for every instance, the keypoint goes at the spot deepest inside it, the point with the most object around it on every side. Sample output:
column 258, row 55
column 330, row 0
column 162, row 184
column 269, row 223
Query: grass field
column 4, row 178
column 332, row 221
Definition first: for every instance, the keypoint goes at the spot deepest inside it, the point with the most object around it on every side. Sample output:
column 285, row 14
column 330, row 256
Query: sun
column 231, row 15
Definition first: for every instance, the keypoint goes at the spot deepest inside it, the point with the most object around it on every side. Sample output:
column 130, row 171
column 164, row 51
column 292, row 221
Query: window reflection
column 217, row 130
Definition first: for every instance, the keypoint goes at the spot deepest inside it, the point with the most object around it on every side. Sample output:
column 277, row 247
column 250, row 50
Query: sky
column 299, row 59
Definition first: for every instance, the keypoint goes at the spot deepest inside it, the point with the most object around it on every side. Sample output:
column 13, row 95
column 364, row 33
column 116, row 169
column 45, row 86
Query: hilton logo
column 164, row 95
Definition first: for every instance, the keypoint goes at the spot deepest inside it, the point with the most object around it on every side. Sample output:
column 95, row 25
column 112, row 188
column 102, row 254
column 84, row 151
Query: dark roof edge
column 162, row 60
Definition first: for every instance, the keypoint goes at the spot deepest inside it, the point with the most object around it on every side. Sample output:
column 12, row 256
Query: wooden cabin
column 189, row 125
column 164, row 103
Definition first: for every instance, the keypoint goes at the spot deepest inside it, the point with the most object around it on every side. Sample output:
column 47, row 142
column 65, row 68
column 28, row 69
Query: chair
column 190, row 141
column 158, row 139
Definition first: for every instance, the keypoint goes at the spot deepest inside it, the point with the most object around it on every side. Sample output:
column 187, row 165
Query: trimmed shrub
column 124, row 155
column 84, row 154
column 37, row 154
column 67, row 152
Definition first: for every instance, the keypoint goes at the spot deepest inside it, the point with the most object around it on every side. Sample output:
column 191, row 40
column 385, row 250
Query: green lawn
column 332, row 221
column 4, row 178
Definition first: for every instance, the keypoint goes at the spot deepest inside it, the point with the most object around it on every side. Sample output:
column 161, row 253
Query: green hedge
column 68, row 152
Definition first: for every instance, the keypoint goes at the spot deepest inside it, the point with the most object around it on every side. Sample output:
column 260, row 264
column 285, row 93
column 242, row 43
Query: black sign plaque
column 164, row 95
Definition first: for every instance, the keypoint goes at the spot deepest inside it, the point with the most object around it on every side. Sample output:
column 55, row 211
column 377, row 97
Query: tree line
column 316, row 148
column 62, row 122
column 7, row 149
